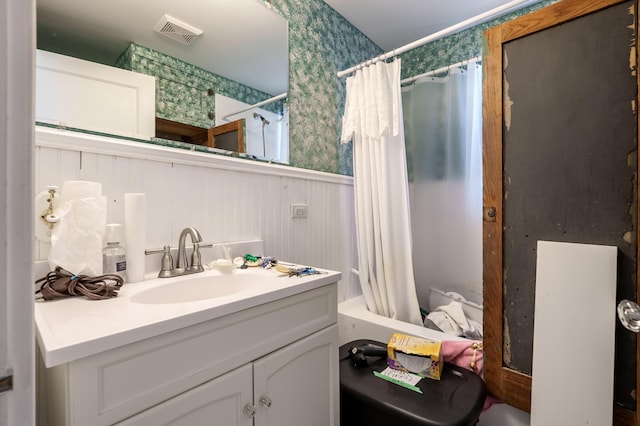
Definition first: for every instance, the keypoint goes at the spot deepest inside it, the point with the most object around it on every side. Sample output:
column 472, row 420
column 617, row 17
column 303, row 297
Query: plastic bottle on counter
column 114, row 258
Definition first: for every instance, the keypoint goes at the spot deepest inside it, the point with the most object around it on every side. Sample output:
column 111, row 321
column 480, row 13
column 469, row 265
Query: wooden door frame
column 506, row 384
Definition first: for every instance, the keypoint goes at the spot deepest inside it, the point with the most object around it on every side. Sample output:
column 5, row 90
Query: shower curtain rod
column 478, row 19
column 440, row 70
column 259, row 104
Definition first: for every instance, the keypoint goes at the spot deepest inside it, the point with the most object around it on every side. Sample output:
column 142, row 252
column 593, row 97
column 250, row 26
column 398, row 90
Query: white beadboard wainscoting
column 226, row 199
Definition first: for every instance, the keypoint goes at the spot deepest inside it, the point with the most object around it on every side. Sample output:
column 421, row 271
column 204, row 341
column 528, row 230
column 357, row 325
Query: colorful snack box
column 415, row 355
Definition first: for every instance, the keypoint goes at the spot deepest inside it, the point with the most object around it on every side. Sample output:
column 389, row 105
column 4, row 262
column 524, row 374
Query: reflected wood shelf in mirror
column 229, row 136
column 174, row 131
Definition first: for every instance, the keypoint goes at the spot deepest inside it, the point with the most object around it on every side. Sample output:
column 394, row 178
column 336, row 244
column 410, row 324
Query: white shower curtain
column 443, row 129
column 373, row 121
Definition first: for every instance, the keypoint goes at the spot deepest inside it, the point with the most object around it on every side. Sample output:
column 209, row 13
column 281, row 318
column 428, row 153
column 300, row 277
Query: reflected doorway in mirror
column 274, row 147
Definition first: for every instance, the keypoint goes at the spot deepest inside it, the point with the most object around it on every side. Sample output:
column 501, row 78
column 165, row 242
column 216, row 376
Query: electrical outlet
column 299, row 211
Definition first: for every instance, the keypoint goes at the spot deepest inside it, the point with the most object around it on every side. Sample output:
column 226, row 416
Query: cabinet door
column 220, row 401
column 299, row 385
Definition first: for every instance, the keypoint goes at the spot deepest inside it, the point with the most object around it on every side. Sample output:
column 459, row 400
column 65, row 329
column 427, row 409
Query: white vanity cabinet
column 271, row 364
column 219, row 401
column 290, row 387
column 298, row 385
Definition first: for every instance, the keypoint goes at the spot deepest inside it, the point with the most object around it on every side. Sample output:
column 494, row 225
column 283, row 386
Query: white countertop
column 72, row 328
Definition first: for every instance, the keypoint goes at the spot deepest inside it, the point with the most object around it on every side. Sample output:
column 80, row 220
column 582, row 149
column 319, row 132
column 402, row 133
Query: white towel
column 451, row 319
column 77, row 239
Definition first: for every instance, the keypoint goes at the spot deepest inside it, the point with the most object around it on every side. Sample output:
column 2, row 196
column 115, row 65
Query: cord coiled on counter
column 61, row 283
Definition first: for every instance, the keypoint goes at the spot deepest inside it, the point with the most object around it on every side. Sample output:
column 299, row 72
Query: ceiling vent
column 177, row 30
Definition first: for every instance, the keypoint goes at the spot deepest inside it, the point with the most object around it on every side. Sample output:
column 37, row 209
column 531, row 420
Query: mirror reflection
column 212, row 60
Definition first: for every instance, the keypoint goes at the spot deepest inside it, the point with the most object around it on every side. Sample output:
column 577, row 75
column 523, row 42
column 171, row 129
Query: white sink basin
column 73, row 328
column 192, row 288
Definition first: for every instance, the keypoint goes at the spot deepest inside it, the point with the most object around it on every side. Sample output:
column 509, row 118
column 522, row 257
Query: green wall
column 321, row 43
column 184, row 92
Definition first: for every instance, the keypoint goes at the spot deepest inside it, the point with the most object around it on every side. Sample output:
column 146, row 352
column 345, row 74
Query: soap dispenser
column 114, row 259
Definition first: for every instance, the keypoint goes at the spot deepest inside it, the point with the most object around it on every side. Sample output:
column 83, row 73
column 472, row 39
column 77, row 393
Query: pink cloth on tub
column 467, row 354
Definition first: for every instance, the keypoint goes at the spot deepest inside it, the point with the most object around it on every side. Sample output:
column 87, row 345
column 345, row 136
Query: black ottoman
column 455, row 400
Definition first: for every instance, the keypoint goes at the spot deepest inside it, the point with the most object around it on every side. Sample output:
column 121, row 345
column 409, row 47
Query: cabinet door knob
column 249, row 411
column 265, row 401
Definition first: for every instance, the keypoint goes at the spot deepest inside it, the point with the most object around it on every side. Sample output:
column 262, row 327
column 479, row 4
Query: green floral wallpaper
column 184, row 92
column 321, row 43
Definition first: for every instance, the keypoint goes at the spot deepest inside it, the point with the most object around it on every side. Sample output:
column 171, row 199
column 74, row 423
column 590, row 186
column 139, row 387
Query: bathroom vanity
column 260, row 349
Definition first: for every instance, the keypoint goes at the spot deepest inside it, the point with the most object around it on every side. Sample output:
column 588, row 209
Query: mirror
column 242, row 40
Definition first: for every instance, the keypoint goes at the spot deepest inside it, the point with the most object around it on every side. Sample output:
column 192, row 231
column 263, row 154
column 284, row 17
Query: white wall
column 226, row 199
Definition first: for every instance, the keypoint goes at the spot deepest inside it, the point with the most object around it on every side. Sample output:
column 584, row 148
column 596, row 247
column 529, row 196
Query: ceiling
column 394, row 23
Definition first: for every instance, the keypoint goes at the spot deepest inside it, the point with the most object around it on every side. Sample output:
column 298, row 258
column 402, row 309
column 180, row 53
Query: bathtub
column 356, row 322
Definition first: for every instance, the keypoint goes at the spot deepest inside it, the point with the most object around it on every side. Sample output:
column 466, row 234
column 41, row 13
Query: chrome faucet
column 182, row 266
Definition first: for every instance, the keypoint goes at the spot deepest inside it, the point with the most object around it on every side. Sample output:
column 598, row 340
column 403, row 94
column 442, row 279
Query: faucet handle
column 167, row 260
column 196, row 259
column 166, row 265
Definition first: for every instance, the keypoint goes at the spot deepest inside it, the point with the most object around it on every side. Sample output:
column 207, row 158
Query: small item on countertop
column 296, row 270
column 223, row 265
column 251, row 260
column 268, row 262
column 284, row 269
column 114, row 258
column 61, row 283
